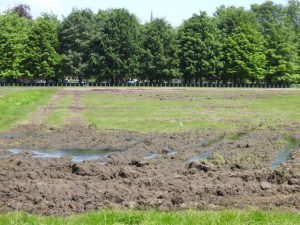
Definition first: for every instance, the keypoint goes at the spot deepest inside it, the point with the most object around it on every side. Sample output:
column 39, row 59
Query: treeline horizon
column 258, row 46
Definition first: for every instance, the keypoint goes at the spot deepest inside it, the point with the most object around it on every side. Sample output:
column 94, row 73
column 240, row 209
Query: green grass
column 16, row 105
column 208, row 108
column 131, row 112
column 277, row 108
column 292, row 143
column 158, row 218
column 163, row 111
column 58, row 117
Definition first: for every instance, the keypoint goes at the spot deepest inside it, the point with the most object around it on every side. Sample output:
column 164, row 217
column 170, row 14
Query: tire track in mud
column 74, row 111
column 40, row 116
column 76, row 108
column 127, row 180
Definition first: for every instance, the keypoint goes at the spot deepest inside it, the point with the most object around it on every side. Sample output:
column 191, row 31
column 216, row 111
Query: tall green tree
column 229, row 18
column 42, row 58
column 200, row 48
column 115, row 46
column 13, row 35
column 244, row 56
column 159, row 61
column 243, row 45
column 293, row 12
column 74, row 43
column 281, row 43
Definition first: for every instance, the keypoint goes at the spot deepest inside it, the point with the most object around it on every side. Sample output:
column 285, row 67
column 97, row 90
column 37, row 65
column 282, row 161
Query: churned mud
column 204, row 169
column 143, row 171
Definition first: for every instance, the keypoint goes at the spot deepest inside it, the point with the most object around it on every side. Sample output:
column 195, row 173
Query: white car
column 131, row 82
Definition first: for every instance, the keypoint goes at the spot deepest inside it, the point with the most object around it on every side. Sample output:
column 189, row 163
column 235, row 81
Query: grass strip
column 17, row 105
column 130, row 217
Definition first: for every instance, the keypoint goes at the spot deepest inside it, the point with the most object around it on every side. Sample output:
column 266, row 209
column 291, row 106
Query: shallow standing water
column 76, row 155
column 201, row 156
column 293, row 145
column 151, row 156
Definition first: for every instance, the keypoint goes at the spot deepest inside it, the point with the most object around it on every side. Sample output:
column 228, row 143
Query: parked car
column 132, row 82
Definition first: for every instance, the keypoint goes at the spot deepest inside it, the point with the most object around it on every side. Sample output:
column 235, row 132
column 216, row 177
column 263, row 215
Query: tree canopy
column 42, row 58
column 200, row 48
column 115, row 46
column 13, row 37
column 159, row 60
column 235, row 45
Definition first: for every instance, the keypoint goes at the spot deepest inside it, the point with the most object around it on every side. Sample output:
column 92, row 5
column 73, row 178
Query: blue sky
column 174, row 11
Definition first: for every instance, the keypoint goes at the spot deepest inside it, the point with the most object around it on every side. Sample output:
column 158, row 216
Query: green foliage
column 282, row 43
column 261, row 45
column 130, row 217
column 293, row 12
column 200, row 48
column 282, row 58
column 42, row 58
column 244, row 57
column 229, row 18
column 13, row 34
column 115, row 46
column 159, row 61
column 74, row 39
column 243, row 46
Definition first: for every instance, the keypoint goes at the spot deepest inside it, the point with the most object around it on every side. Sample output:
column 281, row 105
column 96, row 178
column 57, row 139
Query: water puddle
column 169, row 151
column 172, row 153
column 151, row 156
column 77, row 156
column 293, row 145
column 15, row 151
column 201, row 156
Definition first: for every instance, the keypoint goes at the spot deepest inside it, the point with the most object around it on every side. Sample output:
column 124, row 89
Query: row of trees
column 260, row 45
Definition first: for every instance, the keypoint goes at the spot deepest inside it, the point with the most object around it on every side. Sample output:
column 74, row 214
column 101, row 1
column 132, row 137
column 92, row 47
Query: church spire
column 151, row 17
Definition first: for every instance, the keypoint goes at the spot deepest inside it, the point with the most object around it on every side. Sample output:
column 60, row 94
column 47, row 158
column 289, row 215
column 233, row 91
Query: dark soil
column 238, row 176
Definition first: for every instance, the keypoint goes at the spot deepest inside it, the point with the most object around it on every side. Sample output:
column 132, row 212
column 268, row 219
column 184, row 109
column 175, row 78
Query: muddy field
column 201, row 168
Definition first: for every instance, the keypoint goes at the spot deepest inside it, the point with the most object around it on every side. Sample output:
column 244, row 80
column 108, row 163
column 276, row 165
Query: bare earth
column 130, row 179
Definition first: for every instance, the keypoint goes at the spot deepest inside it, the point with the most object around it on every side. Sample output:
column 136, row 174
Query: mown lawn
column 158, row 218
column 165, row 111
column 200, row 108
column 17, row 104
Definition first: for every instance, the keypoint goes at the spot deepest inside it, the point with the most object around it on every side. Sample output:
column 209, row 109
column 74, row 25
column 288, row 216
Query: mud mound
column 237, row 173
column 60, row 187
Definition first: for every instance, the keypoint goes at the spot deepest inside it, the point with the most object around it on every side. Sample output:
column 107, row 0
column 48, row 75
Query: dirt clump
column 231, row 177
